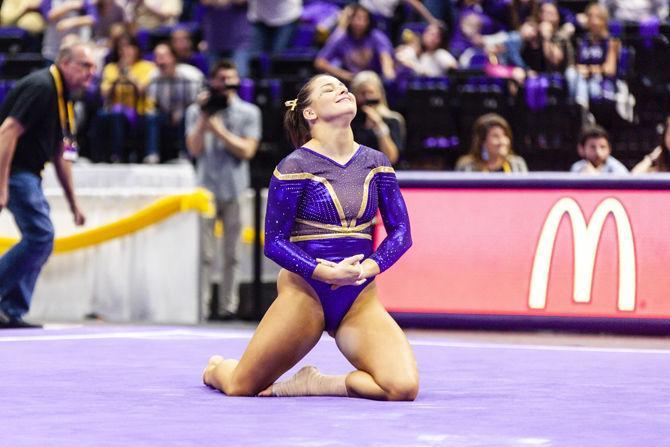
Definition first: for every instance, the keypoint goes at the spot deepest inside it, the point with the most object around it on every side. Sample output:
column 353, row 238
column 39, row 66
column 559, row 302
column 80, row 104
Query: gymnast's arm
column 282, row 207
column 396, row 221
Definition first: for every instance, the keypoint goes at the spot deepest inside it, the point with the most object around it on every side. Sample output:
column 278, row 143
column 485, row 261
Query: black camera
column 216, row 102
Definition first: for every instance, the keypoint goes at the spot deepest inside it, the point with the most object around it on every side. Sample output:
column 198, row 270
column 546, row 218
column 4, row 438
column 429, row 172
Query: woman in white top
column 427, row 57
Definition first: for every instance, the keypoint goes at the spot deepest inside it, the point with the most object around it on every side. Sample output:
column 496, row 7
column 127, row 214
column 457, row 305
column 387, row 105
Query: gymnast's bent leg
column 376, row 346
column 289, row 330
column 372, row 341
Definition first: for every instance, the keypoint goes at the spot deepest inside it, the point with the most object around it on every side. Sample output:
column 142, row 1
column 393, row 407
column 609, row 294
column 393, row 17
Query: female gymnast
column 321, row 202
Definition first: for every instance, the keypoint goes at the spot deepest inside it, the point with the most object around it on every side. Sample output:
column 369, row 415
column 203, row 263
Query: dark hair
column 443, row 37
column 663, row 162
column 593, row 131
column 481, row 128
column 223, row 64
column 295, row 124
column 130, row 40
column 371, row 23
column 168, row 46
column 515, row 9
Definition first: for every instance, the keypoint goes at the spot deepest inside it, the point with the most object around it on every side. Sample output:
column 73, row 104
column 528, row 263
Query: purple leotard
column 318, row 208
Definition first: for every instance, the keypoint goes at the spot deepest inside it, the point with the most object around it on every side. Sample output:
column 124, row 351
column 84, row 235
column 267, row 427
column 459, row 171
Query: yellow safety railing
column 199, row 200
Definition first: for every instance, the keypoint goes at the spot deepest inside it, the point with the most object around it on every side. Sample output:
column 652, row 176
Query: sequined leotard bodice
column 318, row 208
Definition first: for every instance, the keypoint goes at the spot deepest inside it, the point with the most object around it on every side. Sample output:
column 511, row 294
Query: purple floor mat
column 136, row 386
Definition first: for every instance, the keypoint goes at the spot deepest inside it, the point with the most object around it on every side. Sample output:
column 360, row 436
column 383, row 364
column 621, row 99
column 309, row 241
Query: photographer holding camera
column 222, row 133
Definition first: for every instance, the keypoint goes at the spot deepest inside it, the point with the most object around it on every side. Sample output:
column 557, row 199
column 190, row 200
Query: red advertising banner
column 537, row 252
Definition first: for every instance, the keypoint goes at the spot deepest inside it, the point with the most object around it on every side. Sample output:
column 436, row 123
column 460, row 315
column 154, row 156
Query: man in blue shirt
column 222, row 133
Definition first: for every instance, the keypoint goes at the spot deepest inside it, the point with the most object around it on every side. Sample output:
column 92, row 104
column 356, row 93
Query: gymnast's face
column 330, row 99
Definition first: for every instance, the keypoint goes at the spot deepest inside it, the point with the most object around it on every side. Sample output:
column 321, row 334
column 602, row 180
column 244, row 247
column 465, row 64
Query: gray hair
column 68, row 47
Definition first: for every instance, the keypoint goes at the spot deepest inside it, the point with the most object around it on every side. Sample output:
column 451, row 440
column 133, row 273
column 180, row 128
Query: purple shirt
column 225, row 29
column 357, row 55
column 592, row 52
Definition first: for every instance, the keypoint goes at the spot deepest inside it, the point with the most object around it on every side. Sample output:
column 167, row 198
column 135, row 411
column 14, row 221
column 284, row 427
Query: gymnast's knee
column 402, row 388
column 242, row 388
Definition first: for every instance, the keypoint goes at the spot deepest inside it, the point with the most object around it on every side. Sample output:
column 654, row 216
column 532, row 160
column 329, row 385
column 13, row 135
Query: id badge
column 70, row 150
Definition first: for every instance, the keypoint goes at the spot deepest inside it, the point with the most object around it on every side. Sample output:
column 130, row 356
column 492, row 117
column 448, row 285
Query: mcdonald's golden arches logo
column 586, row 237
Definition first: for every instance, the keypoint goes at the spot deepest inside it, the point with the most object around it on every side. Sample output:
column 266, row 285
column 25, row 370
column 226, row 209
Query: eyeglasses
column 85, row 64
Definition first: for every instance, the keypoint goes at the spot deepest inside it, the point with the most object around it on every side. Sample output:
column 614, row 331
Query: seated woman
column 491, row 148
column 657, row 160
column 360, row 48
column 376, row 125
column 123, row 86
column 426, row 56
column 596, row 58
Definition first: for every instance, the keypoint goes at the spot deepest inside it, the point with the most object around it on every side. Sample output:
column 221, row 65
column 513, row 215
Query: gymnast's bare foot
column 304, row 383
column 211, row 366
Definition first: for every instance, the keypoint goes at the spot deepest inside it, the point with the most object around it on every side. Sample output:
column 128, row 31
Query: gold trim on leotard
column 366, row 186
column 323, row 181
column 311, row 237
column 334, row 228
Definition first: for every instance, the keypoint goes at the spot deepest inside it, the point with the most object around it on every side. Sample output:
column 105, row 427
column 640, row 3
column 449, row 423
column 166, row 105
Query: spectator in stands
column 110, row 13
column 360, row 48
column 152, row 14
column 375, row 125
column 66, row 17
column 123, row 86
column 426, row 56
column 475, row 49
column 636, row 11
column 548, row 47
column 273, row 23
column 595, row 150
column 117, row 33
column 657, row 160
column 384, row 11
column 521, row 12
column 222, row 133
column 230, row 41
column 323, row 17
column 468, row 35
column 173, row 87
column 491, row 148
column 24, row 14
column 182, row 45
column 596, row 58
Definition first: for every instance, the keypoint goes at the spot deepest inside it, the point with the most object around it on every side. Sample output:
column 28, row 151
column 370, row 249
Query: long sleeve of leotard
column 282, row 206
column 396, row 222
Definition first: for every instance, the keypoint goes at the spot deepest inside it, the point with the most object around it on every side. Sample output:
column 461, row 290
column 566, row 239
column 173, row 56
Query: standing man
column 37, row 126
column 223, row 132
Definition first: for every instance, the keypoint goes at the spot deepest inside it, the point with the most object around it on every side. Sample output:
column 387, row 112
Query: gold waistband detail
column 336, row 228
column 312, row 237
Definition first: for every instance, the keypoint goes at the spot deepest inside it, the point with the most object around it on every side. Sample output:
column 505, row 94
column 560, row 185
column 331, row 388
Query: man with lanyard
column 37, row 126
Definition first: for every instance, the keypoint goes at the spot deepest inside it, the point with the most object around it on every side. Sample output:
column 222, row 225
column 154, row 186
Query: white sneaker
column 151, row 159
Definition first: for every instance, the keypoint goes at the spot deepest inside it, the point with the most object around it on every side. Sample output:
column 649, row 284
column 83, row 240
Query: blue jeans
column 21, row 265
column 172, row 145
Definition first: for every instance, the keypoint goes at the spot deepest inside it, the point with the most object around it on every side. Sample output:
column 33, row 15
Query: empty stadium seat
column 15, row 66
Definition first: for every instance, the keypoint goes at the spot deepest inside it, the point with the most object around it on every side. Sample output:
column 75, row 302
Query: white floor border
column 229, row 334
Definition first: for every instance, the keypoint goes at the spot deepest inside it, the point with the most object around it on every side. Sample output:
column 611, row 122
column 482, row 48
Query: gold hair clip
column 292, row 104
